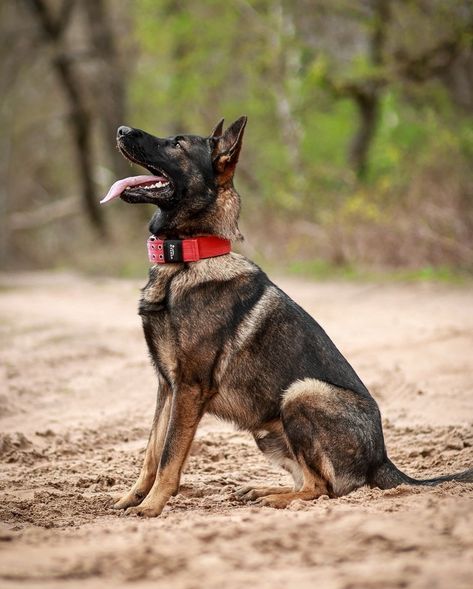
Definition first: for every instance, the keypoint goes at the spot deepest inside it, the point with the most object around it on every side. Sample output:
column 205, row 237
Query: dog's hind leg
column 153, row 451
column 274, row 446
column 336, row 437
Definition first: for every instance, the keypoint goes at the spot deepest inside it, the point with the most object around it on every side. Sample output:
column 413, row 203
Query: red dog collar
column 166, row 251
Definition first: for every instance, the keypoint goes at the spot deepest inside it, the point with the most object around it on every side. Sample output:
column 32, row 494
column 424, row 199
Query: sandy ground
column 76, row 401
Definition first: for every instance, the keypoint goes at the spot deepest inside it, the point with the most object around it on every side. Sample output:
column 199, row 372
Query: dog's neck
column 220, row 220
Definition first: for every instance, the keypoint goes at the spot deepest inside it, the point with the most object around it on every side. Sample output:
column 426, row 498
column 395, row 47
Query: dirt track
column 76, row 401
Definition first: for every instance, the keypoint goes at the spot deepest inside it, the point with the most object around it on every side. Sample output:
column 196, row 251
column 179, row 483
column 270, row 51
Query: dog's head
column 191, row 182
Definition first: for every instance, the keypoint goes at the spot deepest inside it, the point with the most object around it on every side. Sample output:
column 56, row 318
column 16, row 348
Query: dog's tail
column 388, row 476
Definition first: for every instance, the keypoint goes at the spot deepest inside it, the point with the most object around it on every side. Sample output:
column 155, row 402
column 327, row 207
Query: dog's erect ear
column 227, row 148
column 218, row 129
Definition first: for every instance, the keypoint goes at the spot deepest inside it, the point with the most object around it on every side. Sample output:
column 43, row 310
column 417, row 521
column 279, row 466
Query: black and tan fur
column 226, row 341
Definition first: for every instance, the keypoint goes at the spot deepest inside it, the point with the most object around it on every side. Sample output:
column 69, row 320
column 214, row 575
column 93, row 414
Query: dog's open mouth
column 138, row 186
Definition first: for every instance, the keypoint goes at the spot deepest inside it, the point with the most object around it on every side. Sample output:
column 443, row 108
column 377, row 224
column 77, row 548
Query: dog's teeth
column 158, row 184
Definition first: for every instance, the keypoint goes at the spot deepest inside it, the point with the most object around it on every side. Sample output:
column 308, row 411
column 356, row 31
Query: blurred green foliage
column 200, row 61
column 303, row 71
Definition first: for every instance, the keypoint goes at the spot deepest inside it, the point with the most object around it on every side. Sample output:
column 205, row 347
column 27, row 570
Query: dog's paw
column 282, row 500
column 249, row 493
column 245, row 493
column 275, row 501
column 144, row 511
column 129, row 500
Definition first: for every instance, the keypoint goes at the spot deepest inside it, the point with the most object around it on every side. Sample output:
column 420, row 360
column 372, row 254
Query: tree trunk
column 367, row 95
column 368, row 111
column 53, row 29
column 111, row 94
column 81, row 126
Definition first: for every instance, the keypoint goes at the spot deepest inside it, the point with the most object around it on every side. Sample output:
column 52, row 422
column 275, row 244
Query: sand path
column 76, row 401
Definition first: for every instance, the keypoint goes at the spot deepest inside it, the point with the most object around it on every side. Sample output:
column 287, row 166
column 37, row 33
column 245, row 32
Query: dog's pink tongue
column 120, row 185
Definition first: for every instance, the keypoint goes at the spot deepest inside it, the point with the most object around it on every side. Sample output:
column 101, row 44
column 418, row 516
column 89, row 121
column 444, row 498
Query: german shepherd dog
column 225, row 340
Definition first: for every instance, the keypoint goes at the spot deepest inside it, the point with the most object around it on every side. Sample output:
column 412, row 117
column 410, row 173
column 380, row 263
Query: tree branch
column 44, row 215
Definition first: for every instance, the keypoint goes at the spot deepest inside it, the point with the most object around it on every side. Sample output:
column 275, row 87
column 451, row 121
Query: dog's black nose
column 123, row 131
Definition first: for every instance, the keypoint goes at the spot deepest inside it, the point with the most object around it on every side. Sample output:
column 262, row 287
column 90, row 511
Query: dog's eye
column 178, row 145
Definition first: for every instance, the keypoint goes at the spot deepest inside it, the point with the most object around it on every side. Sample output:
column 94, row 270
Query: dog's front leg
column 153, row 451
column 187, row 408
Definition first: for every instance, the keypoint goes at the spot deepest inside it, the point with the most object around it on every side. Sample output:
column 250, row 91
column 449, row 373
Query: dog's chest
column 193, row 317
column 182, row 315
column 154, row 310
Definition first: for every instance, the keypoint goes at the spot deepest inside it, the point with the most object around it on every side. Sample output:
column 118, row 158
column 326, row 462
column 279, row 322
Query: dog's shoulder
column 230, row 268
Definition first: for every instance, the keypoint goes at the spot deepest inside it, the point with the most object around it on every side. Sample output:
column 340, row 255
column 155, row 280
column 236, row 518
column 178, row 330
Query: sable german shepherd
column 226, row 341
